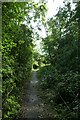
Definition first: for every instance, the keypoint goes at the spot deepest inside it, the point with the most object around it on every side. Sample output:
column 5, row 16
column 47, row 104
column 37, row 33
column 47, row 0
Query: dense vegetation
column 59, row 63
column 60, row 77
column 17, row 49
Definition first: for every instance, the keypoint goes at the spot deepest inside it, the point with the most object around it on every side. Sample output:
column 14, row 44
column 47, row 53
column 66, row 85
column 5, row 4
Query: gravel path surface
column 33, row 106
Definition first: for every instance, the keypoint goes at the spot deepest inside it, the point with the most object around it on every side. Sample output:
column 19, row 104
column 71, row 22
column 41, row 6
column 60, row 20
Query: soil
column 33, row 106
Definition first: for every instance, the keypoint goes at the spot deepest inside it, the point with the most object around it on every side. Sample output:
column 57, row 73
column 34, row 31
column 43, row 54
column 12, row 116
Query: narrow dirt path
column 32, row 106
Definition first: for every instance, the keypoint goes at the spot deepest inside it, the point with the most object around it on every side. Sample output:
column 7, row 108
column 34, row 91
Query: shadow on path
column 31, row 107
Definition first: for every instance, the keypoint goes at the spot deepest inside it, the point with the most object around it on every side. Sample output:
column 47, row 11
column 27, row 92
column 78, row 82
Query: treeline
column 16, row 56
column 60, row 78
column 17, row 49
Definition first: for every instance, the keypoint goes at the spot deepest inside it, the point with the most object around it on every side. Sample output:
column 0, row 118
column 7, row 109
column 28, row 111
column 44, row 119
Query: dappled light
column 40, row 60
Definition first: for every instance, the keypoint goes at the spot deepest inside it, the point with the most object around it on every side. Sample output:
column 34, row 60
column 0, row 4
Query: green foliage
column 37, row 57
column 62, row 74
column 60, row 77
column 17, row 50
column 11, row 107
